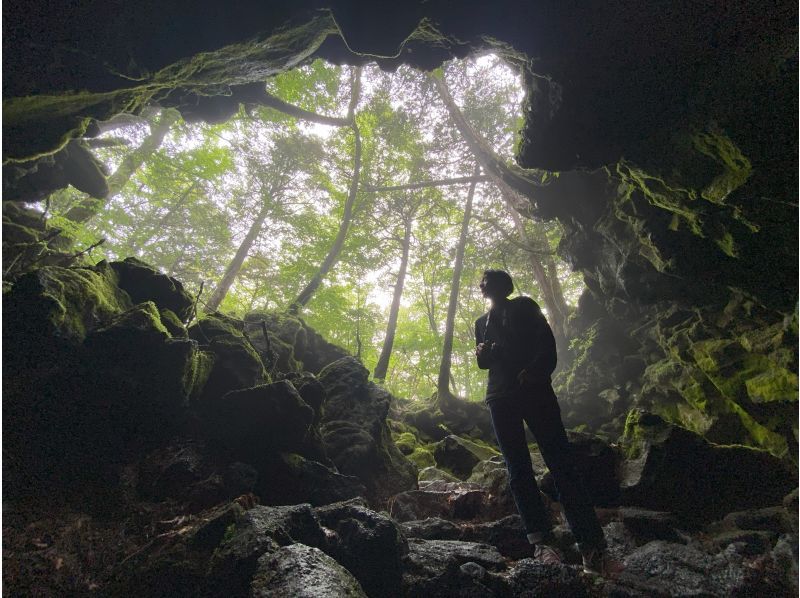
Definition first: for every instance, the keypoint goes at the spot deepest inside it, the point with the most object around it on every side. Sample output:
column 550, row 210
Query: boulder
column 646, row 525
column 256, row 532
column 235, row 365
column 304, row 572
column 665, row 569
column 448, row 500
column 597, row 464
column 355, row 432
column 257, row 421
column 291, row 345
column 460, row 455
column 672, row 469
column 144, row 283
column 506, row 534
column 60, row 306
column 139, row 373
column 368, row 544
column 290, row 478
column 434, row 568
column 530, row 578
column 431, row 474
column 773, row 519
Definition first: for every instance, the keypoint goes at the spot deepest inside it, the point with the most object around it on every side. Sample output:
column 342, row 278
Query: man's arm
column 482, row 351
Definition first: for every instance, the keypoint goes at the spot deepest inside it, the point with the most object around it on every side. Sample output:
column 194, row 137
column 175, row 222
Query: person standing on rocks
column 515, row 343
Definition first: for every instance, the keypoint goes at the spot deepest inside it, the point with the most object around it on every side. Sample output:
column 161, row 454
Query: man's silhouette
column 515, row 343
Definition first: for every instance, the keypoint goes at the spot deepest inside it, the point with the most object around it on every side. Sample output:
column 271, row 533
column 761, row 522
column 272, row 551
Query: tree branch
column 424, row 184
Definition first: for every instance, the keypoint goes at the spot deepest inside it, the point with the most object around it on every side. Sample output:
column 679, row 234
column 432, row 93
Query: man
column 515, row 343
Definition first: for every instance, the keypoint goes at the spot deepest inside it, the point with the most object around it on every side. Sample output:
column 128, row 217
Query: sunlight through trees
column 368, row 202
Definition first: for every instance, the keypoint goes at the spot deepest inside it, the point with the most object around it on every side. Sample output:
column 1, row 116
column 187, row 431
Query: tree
column 129, row 165
column 333, row 254
column 443, row 382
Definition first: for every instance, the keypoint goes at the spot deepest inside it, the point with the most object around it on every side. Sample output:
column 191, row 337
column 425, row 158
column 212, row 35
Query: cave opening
column 247, row 208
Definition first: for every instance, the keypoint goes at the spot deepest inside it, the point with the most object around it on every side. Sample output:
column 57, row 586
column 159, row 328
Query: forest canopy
column 367, row 202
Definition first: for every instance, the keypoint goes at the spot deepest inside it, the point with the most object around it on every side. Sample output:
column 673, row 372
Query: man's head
column 496, row 284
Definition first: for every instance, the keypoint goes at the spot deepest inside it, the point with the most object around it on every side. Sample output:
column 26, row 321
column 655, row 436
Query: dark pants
column 538, row 407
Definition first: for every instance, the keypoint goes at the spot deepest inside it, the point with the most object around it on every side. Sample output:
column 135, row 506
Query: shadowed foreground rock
column 305, row 572
column 355, row 432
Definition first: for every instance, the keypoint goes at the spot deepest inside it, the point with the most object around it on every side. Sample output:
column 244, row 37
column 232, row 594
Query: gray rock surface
column 302, row 572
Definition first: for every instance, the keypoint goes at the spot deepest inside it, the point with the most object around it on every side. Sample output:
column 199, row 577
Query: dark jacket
column 521, row 339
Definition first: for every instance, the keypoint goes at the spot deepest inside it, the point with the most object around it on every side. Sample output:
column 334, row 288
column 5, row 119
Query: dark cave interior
column 673, row 127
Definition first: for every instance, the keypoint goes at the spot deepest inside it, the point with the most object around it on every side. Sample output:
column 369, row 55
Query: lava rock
column 432, row 474
column 355, row 432
column 290, row 478
column 668, row 569
column 460, row 455
column 144, row 283
column 647, row 525
column 774, row 519
column 433, row 568
column 304, row 572
column 368, row 544
column 673, row 469
column 258, row 531
column 235, row 364
column 530, row 578
column 254, row 422
column 596, row 463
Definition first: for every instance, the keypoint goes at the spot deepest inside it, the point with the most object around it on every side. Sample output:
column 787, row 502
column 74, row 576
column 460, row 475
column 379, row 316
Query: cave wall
column 672, row 127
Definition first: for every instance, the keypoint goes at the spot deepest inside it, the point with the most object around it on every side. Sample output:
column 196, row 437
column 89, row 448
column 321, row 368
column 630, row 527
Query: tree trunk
column 507, row 176
column 236, row 263
column 550, row 286
column 166, row 217
column 391, row 327
column 88, row 207
column 443, row 383
column 333, row 254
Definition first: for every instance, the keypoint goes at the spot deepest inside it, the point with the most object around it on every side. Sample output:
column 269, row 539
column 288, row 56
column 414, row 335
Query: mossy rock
column 460, row 455
column 144, row 283
column 64, row 304
column 236, row 364
column 422, row 458
column 172, row 323
column 406, row 442
column 257, row 421
column 142, row 374
column 672, row 469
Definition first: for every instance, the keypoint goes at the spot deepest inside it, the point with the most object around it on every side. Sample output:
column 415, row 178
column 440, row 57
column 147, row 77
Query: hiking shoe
column 547, row 555
column 597, row 562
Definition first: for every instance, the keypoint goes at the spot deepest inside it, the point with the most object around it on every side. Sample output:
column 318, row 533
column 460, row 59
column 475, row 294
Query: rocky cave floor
column 445, row 539
column 142, row 457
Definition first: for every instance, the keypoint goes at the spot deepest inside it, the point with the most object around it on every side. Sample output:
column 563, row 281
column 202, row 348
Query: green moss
column 70, row 301
column 406, row 442
column 479, row 447
column 422, row 458
column 727, row 245
column 777, row 384
column 172, row 323
column 43, row 124
column 736, row 167
column 142, row 317
column 230, row 532
column 199, row 372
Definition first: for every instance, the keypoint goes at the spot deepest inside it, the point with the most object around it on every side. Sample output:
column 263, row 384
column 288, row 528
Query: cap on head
column 499, row 281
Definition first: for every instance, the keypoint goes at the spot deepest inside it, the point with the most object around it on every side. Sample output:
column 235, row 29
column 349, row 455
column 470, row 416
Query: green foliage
column 190, row 205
